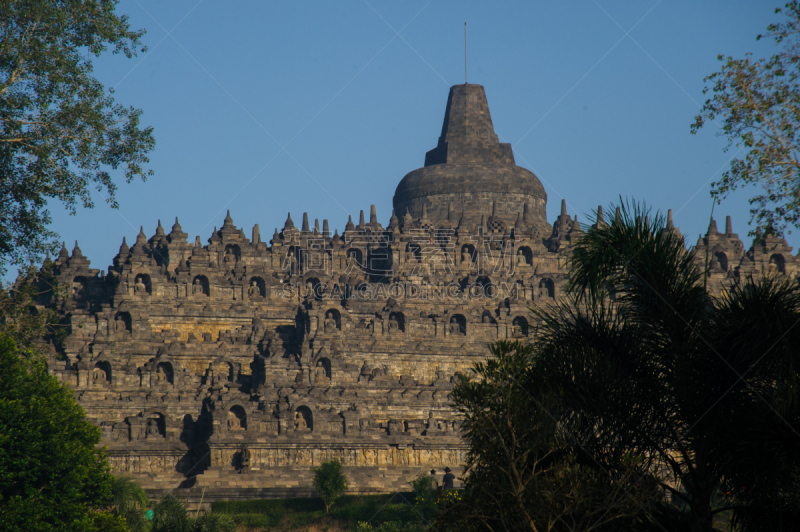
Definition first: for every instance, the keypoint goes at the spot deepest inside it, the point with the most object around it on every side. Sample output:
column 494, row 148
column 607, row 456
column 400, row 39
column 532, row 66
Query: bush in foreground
column 330, row 482
column 52, row 476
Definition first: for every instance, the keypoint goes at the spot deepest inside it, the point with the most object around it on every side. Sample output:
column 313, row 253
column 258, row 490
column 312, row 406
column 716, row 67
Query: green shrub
column 211, row 522
column 425, row 497
column 170, row 515
column 330, row 482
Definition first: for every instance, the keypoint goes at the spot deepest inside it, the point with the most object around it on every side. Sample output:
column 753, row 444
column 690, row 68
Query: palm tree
column 705, row 389
column 129, row 501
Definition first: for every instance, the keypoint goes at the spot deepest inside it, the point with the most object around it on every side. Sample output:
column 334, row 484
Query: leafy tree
column 524, row 471
column 639, row 376
column 330, row 482
column 52, row 476
column 61, row 134
column 26, row 316
column 759, row 103
column 704, row 389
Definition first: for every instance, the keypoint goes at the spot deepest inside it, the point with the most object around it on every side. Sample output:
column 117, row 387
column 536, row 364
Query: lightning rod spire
column 465, row 52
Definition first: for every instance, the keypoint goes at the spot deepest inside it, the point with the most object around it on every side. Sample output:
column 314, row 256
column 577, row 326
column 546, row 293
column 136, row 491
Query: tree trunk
column 700, row 517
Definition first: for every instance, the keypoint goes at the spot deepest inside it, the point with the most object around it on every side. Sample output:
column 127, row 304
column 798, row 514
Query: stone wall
column 239, row 366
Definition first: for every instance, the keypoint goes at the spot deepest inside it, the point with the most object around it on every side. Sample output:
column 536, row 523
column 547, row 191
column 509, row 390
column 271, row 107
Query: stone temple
column 230, row 369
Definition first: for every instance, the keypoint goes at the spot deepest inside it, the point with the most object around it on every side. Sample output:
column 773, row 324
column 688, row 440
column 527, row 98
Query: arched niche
column 777, row 263
column 468, row 254
column 232, row 254
column 486, row 317
column 524, row 255
column 142, row 284
column 355, row 259
column 322, row 372
column 200, row 285
column 165, row 373
column 80, row 285
column 333, row 320
column 101, row 374
column 518, row 292
column 485, row 285
column 520, row 327
column 122, row 321
column 155, row 426
column 547, row 288
column 325, row 365
column 397, row 322
column 313, row 289
column 414, row 251
column 457, row 325
column 294, row 258
column 257, row 287
column 722, row 260
column 303, row 419
column 237, row 418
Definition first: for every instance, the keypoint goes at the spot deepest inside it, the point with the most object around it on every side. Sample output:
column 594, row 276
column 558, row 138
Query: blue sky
column 268, row 107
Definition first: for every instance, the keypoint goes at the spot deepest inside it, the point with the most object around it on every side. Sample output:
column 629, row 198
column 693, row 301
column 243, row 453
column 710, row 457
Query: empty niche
column 485, row 285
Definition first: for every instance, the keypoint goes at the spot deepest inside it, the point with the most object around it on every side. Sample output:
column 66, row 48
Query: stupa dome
column 471, row 173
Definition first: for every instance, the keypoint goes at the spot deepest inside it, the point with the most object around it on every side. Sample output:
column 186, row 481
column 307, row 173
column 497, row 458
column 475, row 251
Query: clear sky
column 268, row 107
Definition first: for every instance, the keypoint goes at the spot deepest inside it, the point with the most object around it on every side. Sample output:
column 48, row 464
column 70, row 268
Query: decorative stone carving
column 316, row 346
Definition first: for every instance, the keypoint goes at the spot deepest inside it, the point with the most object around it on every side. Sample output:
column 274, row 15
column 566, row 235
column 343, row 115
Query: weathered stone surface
column 231, row 369
column 470, row 170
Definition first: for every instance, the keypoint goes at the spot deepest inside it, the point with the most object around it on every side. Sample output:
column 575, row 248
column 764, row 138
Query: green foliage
column 60, row 132
column 105, row 522
column 703, row 390
column 170, row 515
column 211, row 522
column 25, row 317
column 390, row 526
column 129, row 501
column 330, row 482
column 52, row 476
column 759, row 103
column 425, row 497
column 525, row 472
column 642, row 387
column 297, row 513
